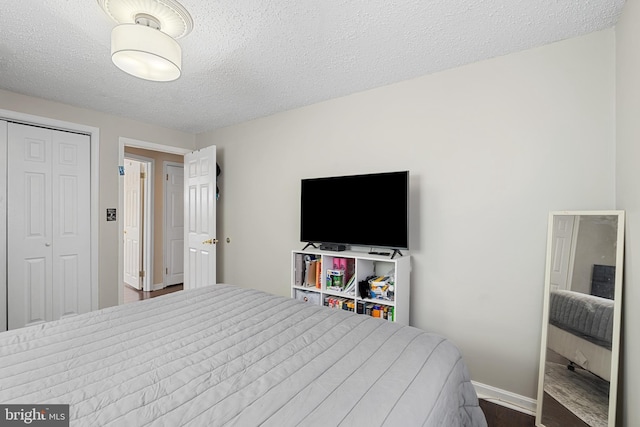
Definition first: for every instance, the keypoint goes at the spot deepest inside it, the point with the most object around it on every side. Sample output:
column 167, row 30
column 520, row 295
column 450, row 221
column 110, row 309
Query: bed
column 581, row 329
column 226, row 355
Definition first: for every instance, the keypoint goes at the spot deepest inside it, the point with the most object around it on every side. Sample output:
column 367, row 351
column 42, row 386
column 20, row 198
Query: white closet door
column 71, row 209
column 48, row 198
column 29, row 255
column 200, row 212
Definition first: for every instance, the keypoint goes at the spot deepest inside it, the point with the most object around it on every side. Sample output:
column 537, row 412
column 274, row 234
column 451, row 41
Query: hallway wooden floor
column 131, row 294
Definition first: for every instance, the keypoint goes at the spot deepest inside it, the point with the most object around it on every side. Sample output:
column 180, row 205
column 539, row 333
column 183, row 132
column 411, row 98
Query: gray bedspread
column 224, row 355
column 586, row 316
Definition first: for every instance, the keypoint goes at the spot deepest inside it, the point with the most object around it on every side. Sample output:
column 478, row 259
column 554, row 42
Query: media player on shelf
column 372, row 252
column 332, row 247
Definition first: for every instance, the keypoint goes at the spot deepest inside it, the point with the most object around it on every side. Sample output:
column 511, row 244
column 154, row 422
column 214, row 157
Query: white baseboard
column 157, row 286
column 505, row 398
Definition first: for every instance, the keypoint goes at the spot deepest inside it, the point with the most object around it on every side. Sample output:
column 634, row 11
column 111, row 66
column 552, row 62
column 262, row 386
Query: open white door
column 200, row 214
column 132, row 224
column 562, row 252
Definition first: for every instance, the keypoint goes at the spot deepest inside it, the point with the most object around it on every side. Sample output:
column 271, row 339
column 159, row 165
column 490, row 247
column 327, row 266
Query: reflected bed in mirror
column 581, row 319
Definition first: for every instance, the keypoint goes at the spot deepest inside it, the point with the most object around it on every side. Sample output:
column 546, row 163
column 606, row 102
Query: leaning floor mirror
column 581, row 319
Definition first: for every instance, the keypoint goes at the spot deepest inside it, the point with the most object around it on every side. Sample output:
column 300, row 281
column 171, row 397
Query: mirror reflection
column 581, row 328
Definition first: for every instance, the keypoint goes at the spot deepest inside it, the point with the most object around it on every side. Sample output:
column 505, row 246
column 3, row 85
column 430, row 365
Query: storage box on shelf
column 374, row 285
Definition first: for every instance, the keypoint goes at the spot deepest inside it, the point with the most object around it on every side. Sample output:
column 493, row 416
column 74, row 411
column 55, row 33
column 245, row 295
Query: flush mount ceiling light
column 144, row 45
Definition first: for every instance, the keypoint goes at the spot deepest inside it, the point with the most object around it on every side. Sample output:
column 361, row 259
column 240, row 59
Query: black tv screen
column 360, row 210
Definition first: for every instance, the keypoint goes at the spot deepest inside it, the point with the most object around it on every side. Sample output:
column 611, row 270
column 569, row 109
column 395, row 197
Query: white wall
column 628, row 198
column 111, row 128
column 491, row 148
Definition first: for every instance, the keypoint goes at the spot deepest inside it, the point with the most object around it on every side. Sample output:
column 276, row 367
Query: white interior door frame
column 147, row 220
column 572, row 259
column 146, row 145
column 94, row 137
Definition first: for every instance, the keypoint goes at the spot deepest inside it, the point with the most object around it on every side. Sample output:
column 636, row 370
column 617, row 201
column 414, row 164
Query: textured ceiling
column 252, row 58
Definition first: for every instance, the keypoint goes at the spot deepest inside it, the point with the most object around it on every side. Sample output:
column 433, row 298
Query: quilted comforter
column 225, row 355
column 587, row 316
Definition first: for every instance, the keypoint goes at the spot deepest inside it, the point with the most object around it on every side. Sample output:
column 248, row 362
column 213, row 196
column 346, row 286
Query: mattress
column 587, row 316
column 226, row 355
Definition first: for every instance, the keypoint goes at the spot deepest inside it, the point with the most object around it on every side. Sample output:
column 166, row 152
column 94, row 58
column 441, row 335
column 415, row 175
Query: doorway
column 154, row 247
column 173, row 223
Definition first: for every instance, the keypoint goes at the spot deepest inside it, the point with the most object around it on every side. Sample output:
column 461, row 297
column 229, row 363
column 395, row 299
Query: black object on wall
column 218, row 171
column 362, row 210
column 603, row 280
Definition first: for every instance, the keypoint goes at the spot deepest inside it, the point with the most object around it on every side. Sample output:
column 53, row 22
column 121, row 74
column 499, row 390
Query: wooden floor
column 131, row 294
column 501, row 416
column 554, row 414
column 497, row 415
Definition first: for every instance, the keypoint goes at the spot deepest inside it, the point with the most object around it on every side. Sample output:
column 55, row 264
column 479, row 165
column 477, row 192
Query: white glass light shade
column 145, row 52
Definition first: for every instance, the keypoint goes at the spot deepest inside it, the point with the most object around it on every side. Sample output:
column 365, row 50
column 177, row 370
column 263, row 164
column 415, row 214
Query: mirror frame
column 617, row 310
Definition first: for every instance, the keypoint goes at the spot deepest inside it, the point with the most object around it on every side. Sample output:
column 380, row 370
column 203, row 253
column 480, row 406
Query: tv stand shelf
column 360, row 265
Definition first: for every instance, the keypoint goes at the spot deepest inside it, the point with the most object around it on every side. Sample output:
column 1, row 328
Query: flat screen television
column 360, row 210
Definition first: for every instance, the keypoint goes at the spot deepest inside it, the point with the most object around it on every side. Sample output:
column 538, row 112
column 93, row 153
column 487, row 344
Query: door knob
column 210, row 242
column 47, row 244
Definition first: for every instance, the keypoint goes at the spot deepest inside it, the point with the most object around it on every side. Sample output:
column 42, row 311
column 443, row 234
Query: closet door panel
column 29, row 260
column 71, row 224
column 69, row 291
column 36, row 292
